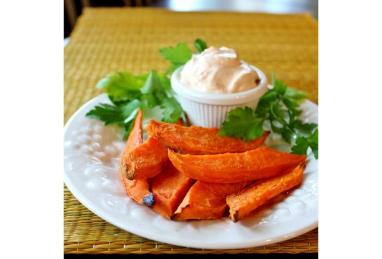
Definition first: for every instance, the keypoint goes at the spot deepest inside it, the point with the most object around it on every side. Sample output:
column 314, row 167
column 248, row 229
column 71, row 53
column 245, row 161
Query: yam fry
column 199, row 140
column 259, row 163
column 144, row 161
column 135, row 189
column 169, row 189
column 206, row 200
column 252, row 197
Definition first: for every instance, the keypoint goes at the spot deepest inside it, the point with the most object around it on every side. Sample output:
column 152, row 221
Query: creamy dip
column 218, row 70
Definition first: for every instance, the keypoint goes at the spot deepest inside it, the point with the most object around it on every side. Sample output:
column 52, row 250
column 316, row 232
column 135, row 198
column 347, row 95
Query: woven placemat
column 114, row 39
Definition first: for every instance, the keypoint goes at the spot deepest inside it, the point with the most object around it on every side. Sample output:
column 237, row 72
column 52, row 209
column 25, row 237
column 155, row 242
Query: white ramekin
column 210, row 109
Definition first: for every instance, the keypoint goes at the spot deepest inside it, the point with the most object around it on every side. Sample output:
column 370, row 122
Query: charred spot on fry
column 149, row 200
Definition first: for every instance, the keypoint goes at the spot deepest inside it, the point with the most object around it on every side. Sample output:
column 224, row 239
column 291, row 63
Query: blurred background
column 74, row 8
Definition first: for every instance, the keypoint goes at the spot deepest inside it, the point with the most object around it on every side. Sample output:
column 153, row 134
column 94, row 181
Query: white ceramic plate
column 91, row 174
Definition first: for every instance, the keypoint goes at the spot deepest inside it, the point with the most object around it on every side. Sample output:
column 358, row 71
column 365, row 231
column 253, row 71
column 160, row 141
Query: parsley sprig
column 278, row 110
column 149, row 92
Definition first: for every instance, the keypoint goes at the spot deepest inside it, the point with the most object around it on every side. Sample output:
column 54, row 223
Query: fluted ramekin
column 210, row 109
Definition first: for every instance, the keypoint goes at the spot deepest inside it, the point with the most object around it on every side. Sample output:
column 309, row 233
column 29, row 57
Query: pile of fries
column 189, row 173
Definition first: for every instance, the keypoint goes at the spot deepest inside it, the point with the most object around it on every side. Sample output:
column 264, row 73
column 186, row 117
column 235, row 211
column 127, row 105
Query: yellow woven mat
column 106, row 40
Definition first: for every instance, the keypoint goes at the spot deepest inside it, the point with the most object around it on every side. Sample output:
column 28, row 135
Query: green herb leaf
column 264, row 104
column 153, row 93
column 303, row 143
column 129, row 109
column 278, row 113
column 295, row 94
column 292, row 106
column 111, row 114
column 279, row 86
column 304, row 128
column 172, row 110
column 165, row 83
column 177, row 55
column 242, row 123
column 313, row 142
column 122, row 86
column 152, row 83
column 200, row 45
column 300, row 146
column 107, row 113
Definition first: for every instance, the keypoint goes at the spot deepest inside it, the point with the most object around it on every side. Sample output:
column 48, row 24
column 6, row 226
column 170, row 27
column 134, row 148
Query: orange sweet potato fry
column 259, row 163
column 206, row 200
column 169, row 189
column 135, row 189
column 252, row 197
column 199, row 140
column 144, row 161
column 138, row 190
